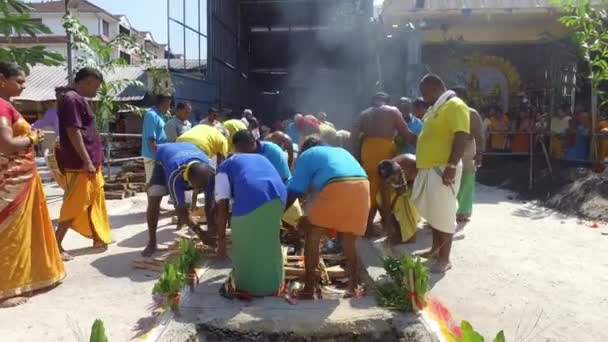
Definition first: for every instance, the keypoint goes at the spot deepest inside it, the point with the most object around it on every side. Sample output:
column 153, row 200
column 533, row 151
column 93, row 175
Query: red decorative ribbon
column 417, row 299
column 176, row 299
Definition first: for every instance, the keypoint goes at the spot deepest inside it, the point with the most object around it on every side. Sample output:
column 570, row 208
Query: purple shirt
column 74, row 111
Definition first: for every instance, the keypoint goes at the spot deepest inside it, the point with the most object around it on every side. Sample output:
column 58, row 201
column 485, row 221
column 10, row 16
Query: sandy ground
column 97, row 285
column 537, row 275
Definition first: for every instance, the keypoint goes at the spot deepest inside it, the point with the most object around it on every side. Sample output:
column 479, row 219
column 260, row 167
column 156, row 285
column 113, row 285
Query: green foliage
column 97, row 53
column 170, row 284
column 589, row 26
column 469, row 334
column 189, row 256
column 393, row 292
column 15, row 19
column 98, row 332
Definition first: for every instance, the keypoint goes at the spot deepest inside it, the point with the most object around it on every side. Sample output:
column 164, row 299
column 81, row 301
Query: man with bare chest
column 372, row 141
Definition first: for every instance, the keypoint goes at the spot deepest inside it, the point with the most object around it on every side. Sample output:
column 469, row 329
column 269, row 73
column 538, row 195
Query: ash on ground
column 569, row 189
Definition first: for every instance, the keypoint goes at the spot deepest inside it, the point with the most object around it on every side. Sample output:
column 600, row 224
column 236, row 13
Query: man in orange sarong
column 376, row 127
column 29, row 258
column 80, row 158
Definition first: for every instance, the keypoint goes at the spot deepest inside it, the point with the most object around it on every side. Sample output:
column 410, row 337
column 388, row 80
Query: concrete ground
column 537, row 275
column 100, row 285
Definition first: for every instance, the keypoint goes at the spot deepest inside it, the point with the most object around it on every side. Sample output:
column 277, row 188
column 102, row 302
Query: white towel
column 432, row 111
column 436, row 202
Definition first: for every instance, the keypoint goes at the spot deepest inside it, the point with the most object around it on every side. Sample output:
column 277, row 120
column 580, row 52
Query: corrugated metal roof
column 178, row 63
column 42, row 81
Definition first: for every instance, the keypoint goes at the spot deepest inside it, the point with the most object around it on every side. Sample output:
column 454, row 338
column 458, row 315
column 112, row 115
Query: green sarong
column 256, row 250
column 466, row 194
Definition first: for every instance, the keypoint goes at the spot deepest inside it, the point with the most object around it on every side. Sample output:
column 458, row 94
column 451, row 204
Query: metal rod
column 169, row 36
column 69, row 46
column 531, row 176
column 184, row 29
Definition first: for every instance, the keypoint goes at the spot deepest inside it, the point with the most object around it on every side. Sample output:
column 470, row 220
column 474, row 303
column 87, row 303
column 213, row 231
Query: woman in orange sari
column 523, row 126
column 499, row 123
column 29, row 255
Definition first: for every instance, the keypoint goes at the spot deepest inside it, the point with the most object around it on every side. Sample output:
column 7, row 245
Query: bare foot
column 430, row 254
column 15, row 301
column 439, row 267
column 354, row 292
column 100, row 245
column 65, row 256
column 149, row 250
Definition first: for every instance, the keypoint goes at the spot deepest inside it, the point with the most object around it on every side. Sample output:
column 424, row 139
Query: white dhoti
column 436, row 202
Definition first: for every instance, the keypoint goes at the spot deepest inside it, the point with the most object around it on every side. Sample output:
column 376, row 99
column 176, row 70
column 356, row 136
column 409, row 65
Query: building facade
column 98, row 21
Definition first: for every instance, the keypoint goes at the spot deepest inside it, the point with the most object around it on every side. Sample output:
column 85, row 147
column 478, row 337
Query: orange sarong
column 84, row 203
column 29, row 254
column 373, row 151
column 342, row 205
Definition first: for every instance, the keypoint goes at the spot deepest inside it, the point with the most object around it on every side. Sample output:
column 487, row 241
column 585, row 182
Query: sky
column 144, row 15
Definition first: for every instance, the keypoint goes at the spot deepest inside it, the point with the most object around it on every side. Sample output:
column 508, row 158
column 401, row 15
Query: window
column 420, row 3
column 105, row 28
column 126, row 57
column 188, row 35
column 124, row 30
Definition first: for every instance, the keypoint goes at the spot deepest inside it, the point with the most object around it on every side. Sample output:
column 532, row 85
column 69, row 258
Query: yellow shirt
column 208, row 139
column 434, row 144
column 560, row 125
column 233, row 126
column 328, row 134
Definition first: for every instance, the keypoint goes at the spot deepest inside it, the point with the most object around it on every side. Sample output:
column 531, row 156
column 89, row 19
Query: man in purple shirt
column 80, row 158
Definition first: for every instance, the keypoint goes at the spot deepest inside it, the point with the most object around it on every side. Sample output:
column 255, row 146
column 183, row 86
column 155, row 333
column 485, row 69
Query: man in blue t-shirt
column 153, row 132
column 180, row 167
column 258, row 196
column 413, row 123
column 245, row 142
column 340, row 202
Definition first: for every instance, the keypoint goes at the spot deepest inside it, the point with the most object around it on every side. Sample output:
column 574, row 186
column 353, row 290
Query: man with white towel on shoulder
column 439, row 151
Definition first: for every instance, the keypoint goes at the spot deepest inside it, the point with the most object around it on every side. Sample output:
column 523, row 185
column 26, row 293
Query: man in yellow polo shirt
column 439, row 151
column 209, row 139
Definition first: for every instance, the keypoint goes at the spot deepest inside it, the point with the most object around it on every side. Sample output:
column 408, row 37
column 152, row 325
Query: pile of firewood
column 130, row 180
column 126, row 148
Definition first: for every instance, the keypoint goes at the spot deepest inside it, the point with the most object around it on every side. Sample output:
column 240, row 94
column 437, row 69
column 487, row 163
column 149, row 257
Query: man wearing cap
column 375, row 128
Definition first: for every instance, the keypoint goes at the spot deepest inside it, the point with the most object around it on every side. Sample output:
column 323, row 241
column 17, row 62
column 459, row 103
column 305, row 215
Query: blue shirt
column 277, row 158
column 293, row 132
column 253, row 182
column 154, row 128
column 415, row 125
column 320, row 164
column 175, row 159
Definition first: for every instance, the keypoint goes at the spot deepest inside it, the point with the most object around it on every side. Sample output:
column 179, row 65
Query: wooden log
column 334, row 272
column 138, row 187
column 115, row 195
column 114, row 187
column 134, row 168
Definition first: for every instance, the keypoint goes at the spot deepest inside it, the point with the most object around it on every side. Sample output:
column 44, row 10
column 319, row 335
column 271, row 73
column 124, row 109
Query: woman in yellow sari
column 29, row 255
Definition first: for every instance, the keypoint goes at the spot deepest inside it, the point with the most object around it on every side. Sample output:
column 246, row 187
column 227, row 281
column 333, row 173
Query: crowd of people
column 567, row 135
column 411, row 160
